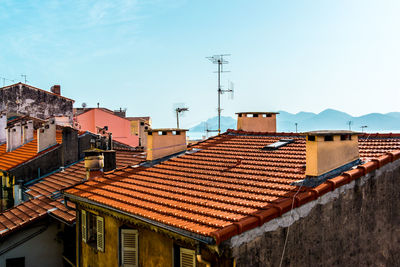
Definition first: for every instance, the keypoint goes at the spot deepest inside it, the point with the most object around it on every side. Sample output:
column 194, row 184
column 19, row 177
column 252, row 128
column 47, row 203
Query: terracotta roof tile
column 225, row 181
column 10, row 160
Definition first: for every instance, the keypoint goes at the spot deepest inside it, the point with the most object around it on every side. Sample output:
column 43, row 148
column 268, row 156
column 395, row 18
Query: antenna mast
column 219, row 59
column 178, row 111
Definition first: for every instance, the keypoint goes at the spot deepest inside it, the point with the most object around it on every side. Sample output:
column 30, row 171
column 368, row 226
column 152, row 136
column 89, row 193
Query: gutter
column 204, row 239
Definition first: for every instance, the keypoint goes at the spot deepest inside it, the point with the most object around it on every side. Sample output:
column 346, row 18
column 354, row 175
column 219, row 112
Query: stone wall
column 356, row 225
column 25, row 100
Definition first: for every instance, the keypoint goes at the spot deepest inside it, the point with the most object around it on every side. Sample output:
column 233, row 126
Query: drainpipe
column 200, row 259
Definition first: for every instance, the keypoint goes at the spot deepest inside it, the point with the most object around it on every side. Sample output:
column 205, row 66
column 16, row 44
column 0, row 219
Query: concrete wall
column 42, row 250
column 24, row 100
column 14, row 137
column 356, row 225
column 27, row 132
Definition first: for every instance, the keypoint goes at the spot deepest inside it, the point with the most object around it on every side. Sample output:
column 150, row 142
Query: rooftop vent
column 278, row 144
column 257, row 121
column 56, row 89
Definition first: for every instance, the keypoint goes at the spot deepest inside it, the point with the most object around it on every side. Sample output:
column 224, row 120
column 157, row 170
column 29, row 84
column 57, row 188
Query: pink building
column 94, row 119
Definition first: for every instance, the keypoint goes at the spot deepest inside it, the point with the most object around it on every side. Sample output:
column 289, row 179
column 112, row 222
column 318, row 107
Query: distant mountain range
column 328, row 119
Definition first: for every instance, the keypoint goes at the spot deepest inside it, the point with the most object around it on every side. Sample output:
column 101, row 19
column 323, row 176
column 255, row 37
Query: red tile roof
column 45, row 199
column 10, row 160
column 33, row 210
column 76, row 173
column 226, row 186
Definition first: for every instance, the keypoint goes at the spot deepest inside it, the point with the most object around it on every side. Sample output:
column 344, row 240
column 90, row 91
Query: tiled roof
column 47, row 200
column 33, row 210
column 225, row 185
column 9, row 160
column 74, row 174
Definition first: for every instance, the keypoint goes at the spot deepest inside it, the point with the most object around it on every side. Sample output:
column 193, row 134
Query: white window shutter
column 84, row 223
column 100, row 233
column 187, row 257
column 129, row 247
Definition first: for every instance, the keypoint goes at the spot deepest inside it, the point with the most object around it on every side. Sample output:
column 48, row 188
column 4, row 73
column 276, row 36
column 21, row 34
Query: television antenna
column 24, row 76
column 5, row 79
column 220, row 61
column 349, row 123
column 179, row 111
column 363, row 127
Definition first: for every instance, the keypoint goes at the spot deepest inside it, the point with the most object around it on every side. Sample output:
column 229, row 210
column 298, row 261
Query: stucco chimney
column 56, row 89
column 165, row 142
column 46, row 135
column 3, row 131
column 14, row 136
column 256, row 121
column 330, row 150
column 27, row 131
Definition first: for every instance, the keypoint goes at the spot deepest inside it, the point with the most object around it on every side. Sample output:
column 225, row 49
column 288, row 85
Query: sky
column 148, row 56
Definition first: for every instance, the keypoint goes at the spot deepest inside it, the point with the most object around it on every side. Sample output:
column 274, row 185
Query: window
column 92, row 228
column 328, row 138
column 344, row 137
column 129, row 247
column 184, row 257
column 15, row 262
column 187, row 258
column 311, row 138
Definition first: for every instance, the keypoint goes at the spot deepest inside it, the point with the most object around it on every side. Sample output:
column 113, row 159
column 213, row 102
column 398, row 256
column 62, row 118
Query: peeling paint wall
column 356, row 225
column 24, row 100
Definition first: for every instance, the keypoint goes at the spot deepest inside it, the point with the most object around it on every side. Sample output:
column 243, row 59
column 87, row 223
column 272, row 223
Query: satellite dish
column 84, row 105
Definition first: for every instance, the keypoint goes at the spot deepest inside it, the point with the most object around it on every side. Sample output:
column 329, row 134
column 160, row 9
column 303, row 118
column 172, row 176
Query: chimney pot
column 165, row 142
column 56, row 89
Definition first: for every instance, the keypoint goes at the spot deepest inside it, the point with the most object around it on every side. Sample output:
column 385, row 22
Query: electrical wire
column 287, row 233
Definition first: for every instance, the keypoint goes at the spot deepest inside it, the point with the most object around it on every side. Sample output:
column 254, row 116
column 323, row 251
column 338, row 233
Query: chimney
column 3, row 126
column 14, row 136
column 27, row 131
column 327, row 151
column 94, row 163
column 257, row 121
column 98, row 161
column 56, row 89
column 46, row 135
column 165, row 142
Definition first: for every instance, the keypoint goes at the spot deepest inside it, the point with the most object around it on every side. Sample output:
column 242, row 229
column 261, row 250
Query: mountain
column 212, row 124
column 329, row 119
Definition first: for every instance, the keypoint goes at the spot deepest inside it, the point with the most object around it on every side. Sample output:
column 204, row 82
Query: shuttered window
column 100, row 233
column 187, row 258
column 83, row 223
column 129, row 247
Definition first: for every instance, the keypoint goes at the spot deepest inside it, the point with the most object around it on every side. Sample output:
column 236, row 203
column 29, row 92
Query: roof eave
column 204, row 239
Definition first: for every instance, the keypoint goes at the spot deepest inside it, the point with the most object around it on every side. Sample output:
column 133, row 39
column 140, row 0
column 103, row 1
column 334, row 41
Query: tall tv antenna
column 24, row 76
column 349, row 123
column 179, row 110
column 220, row 61
column 5, row 79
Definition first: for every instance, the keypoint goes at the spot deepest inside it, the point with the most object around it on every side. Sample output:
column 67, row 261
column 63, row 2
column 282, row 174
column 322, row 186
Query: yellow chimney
column 165, row 142
column 329, row 150
column 256, row 121
column 94, row 163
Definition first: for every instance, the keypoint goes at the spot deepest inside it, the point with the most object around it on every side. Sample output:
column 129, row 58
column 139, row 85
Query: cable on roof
column 287, row 233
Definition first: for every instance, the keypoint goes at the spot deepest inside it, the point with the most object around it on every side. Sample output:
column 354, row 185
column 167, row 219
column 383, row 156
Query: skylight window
column 278, row 144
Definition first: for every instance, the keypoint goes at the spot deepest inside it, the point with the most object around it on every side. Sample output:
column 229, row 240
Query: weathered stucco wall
column 42, row 249
column 356, row 225
column 37, row 103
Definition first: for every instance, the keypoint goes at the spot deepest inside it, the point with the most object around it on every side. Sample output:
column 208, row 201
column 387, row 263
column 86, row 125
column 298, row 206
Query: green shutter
column 187, row 257
column 84, row 225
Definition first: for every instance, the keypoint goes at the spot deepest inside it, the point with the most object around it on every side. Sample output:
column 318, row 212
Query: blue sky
column 148, row 55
